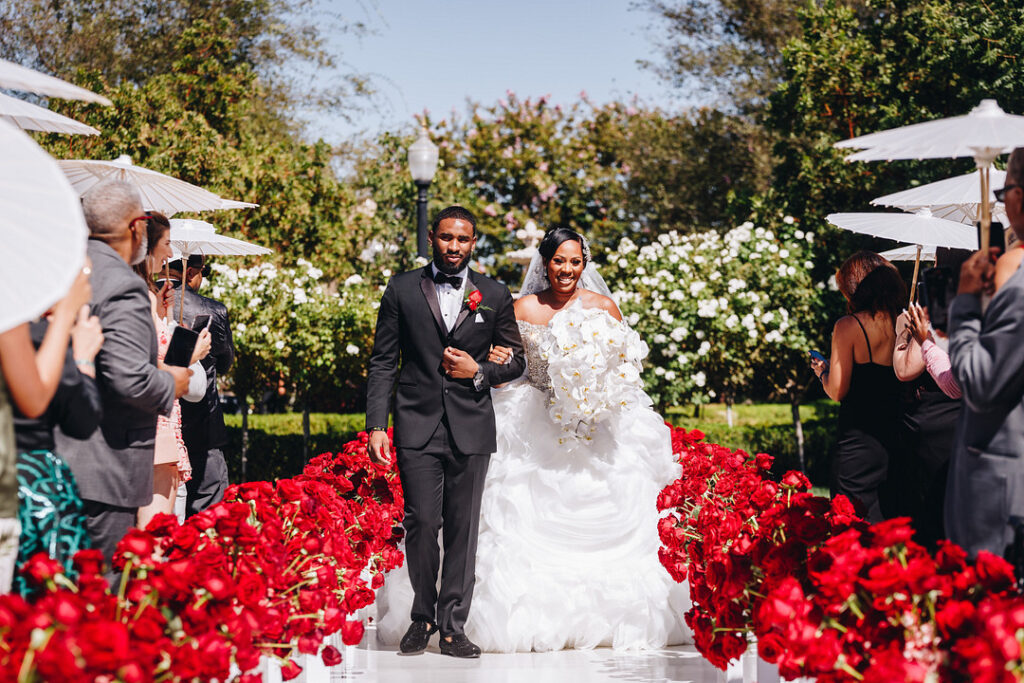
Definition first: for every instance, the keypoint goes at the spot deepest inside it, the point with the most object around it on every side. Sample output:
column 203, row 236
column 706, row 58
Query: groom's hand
column 379, row 447
column 458, row 364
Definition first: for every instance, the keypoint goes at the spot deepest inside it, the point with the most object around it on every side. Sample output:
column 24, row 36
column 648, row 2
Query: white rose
column 700, row 379
column 279, row 345
column 352, row 349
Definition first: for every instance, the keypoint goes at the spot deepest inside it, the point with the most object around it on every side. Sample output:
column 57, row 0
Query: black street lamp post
column 422, row 165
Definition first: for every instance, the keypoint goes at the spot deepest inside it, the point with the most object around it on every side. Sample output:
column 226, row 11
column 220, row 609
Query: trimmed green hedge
column 275, row 441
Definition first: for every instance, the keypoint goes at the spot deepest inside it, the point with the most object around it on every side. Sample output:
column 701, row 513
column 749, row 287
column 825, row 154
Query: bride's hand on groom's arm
column 458, row 364
column 500, row 355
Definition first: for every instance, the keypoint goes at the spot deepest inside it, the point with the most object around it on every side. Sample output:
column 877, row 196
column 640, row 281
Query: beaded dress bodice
column 536, row 366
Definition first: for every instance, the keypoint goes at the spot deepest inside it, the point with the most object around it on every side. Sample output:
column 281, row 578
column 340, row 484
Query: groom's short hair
column 458, row 213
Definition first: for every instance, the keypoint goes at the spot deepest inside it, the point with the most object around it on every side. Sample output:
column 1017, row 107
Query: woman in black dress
column 860, row 376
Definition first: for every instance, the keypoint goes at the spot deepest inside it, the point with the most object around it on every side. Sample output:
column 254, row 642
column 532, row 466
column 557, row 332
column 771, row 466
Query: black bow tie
column 454, row 280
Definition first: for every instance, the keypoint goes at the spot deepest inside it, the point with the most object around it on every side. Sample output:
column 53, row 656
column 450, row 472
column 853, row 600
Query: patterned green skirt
column 50, row 512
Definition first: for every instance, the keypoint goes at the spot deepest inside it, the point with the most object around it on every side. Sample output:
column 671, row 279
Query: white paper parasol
column 44, row 232
column 28, row 116
column 910, row 252
column 916, row 228
column 983, row 134
column 919, row 228
column 190, row 236
column 159, row 192
column 235, row 204
column 16, row 77
column 954, row 199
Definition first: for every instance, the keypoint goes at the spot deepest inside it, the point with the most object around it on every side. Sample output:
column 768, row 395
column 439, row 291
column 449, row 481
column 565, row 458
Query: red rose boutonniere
column 473, row 299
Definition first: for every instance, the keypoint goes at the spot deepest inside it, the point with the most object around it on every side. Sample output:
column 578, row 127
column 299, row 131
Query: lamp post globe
column 422, row 167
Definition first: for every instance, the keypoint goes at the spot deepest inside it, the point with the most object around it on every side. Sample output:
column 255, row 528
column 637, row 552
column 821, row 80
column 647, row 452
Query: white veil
column 536, row 279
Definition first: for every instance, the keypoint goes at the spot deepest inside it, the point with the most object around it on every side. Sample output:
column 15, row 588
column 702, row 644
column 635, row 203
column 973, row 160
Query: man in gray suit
column 114, row 467
column 986, row 479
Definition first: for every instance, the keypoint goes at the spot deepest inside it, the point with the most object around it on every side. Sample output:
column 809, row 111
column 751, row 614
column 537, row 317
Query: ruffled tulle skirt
column 568, row 547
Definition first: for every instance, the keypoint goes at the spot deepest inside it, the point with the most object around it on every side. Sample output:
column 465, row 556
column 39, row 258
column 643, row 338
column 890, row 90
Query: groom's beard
column 140, row 253
column 450, row 269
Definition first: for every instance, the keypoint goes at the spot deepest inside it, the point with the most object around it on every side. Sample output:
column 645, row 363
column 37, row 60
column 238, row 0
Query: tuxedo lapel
column 464, row 312
column 430, row 294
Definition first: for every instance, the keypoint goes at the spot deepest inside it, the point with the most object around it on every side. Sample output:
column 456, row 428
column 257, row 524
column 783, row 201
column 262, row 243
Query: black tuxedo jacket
column 202, row 423
column 408, row 347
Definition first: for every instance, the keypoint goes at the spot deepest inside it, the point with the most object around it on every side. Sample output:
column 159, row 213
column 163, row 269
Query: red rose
column 290, row 670
column 994, row 572
column 473, row 299
column 352, row 632
column 42, row 568
column 331, row 656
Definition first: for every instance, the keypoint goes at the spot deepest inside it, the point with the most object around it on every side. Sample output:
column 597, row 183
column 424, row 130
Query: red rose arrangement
column 827, row 595
column 271, row 570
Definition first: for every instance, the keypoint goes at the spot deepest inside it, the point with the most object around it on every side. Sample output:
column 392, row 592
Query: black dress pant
column 443, row 489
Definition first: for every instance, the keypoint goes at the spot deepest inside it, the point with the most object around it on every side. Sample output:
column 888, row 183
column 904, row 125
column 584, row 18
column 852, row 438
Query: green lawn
column 750, row 414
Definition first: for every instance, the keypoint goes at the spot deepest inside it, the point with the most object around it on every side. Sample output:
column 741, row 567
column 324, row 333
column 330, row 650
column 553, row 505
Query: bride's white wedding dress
column 568, row 547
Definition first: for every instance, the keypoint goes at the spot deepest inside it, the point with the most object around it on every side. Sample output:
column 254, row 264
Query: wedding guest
column 987, row 352
column 203, row 421
column 29, row 380
column 114, row 466
column 49, row 505
column 171, row 466
column 1008, row 263
column 930, row 413
column 859, row 375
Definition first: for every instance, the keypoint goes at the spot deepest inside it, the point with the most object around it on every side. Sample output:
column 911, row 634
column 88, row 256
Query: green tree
column 133, row 41
column 901, row 62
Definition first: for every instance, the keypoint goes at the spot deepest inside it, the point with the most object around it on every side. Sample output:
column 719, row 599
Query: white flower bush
column 719, row 311
column 288, row 324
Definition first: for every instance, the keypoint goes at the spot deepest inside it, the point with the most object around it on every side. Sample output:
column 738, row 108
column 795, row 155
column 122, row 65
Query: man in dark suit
column 202, row 423
column 114, row 466
column 434, row 330
column 985, row 491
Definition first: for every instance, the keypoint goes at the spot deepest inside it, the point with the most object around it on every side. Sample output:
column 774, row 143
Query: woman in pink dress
column 171, row 466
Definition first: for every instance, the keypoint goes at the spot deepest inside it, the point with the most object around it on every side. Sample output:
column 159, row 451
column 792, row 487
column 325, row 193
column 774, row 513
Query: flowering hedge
column 826, row 594
column 720, row 311
column 290, row 325
column 272, row 569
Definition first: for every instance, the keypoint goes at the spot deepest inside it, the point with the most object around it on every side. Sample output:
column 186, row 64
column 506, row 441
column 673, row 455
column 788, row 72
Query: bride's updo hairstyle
column 553, row 239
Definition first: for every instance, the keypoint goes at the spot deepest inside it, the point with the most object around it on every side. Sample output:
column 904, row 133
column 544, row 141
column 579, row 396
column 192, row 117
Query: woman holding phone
column 171, row 465
column 859, row 374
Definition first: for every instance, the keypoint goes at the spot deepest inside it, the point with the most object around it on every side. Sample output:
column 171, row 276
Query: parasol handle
column 913, row 281
column 181, row 295
column 986, row 212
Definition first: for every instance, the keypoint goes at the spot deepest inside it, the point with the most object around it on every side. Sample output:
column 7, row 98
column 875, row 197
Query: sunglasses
column 1001, row 192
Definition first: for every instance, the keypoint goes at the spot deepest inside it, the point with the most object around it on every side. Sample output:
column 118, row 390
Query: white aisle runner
column 371, row 662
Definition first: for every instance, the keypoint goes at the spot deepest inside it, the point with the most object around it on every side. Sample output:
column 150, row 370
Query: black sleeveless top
column 872, row 404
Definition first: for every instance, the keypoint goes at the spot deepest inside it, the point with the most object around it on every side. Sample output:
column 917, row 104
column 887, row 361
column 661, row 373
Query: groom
column 434, row 329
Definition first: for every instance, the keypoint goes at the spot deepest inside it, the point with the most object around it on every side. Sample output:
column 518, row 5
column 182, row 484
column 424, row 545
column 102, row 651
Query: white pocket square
column 478, row 319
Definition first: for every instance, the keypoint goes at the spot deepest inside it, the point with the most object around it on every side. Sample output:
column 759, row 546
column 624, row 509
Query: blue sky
column 436, row 54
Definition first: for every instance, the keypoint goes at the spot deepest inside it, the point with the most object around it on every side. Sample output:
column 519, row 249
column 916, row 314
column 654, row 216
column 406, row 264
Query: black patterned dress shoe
column 416, row 638
column 460, row 646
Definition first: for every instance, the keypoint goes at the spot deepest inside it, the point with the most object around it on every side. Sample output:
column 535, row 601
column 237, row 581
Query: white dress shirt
column 450, row 298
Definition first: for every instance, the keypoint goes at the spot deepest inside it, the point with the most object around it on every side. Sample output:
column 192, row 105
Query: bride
column 568, row 550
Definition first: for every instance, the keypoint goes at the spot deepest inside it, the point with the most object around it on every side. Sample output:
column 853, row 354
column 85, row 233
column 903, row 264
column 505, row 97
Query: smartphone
column 201, row 321
column 996, row 235
column 935, row 287
column 182, row 344
column 816, row 355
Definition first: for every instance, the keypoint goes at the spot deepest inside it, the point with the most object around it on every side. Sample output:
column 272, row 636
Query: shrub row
column 275, row 442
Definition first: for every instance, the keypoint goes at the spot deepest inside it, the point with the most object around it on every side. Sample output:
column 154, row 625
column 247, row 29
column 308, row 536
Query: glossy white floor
column 372, row 662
